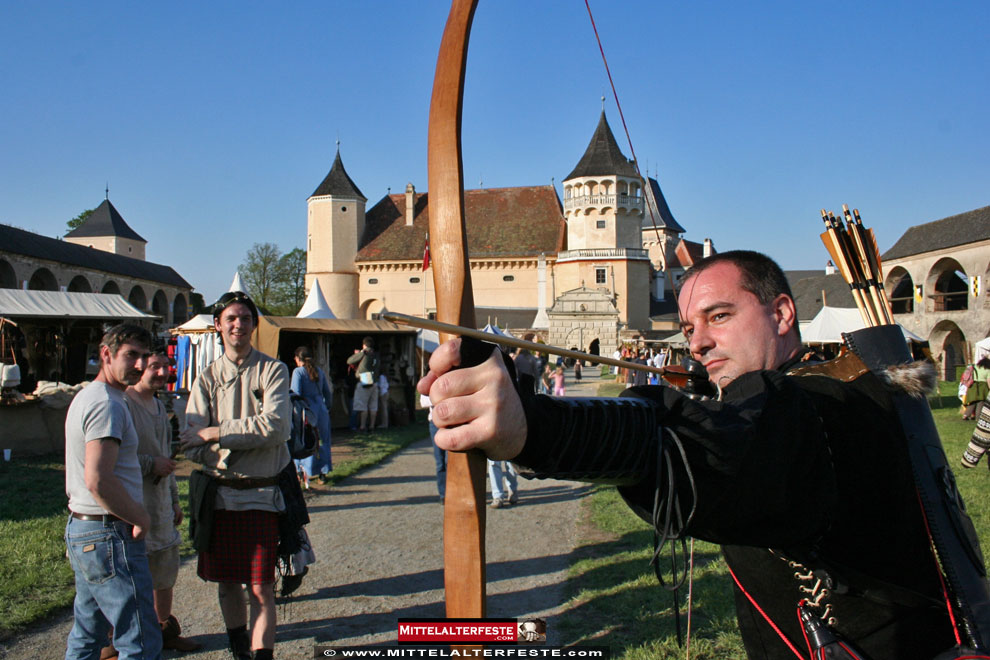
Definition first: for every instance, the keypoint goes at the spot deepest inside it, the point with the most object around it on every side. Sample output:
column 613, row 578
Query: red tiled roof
column 688, row 253
column 501, row 222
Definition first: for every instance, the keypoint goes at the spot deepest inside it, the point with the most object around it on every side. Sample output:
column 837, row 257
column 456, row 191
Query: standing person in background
column 577, row 370
column 546, row 380
column 107, row 522
column 161, row 493
column 497, row 471
column 239, row 417
column 980, row 441
column 309, row 382
column 527, row 366
column 366, row 392
column 439, row 455
column 558, row 382
column 383, row 400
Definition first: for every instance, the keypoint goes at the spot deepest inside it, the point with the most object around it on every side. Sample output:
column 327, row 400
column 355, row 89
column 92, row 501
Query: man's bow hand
column 474, row 407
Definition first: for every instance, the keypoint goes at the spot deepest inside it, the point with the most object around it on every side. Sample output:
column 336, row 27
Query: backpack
column 304, row 438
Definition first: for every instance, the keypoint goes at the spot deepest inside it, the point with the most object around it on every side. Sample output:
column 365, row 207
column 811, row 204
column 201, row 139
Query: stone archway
column 79, row 284
column 948, row 345
column 8, row 278
column 159, row 305
column 371, row 307
column 901, row 288
column 111, row 288
column 137, row 298
column 180, row 310
column 948, row 286
column 43, row 280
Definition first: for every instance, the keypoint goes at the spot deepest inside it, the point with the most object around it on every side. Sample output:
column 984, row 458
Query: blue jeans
column 113, row 588
column 496, row 471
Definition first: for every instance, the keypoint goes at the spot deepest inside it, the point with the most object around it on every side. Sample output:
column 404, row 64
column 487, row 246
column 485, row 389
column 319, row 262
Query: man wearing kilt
column 238, row 419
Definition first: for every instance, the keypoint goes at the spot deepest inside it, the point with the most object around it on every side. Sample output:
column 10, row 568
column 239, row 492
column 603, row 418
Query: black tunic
column 809, row 466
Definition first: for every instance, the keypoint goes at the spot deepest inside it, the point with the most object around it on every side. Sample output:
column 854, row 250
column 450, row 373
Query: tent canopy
column 829, row 324
column 316, row 306
column 198, row 323
column 982, row 349
column 266, row 336
column 18, row 303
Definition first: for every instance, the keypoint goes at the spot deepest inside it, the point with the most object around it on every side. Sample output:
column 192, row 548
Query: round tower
column 335, row 227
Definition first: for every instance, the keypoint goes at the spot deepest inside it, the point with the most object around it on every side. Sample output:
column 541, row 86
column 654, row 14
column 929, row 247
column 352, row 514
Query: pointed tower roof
column 603, row 156
column 316, row 306
column 105, row 221
column 337, row 182
column 658, row 208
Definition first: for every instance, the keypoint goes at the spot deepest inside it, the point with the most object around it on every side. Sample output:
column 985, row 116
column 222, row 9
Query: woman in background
column 309, row 382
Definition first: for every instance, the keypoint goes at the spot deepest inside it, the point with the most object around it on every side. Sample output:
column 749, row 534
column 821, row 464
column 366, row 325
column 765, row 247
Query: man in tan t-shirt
column 161, row 494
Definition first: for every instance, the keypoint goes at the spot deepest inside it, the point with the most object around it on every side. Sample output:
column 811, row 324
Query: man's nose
column 701, row 342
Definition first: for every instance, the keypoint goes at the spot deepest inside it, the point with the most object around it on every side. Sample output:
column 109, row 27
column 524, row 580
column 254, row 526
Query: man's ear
column 785, row 313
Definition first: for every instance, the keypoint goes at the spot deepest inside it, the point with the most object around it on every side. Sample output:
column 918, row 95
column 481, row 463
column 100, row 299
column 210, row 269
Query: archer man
column 798, row 477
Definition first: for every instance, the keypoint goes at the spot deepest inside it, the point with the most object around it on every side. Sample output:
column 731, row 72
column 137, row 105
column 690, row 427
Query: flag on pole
column 426, row 253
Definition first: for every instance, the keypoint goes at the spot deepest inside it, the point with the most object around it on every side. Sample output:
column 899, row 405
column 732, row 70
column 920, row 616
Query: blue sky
column 213, row 122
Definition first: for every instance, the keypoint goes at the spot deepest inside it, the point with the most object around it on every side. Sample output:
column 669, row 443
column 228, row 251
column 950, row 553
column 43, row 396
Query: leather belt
column 103, row 518
column 247, row 482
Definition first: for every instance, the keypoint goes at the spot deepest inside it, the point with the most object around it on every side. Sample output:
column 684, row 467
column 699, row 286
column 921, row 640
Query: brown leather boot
column 172, row 639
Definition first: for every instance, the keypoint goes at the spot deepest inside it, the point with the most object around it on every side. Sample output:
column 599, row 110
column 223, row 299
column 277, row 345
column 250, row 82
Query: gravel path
column 378, row 539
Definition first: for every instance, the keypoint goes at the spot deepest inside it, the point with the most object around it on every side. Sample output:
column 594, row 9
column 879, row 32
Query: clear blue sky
column 213, row 122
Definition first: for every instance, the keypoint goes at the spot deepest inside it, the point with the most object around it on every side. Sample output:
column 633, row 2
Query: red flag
column 426, row 254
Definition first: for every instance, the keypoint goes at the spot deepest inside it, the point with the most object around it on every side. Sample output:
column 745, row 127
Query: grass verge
column 36, row 579
column 614, row 599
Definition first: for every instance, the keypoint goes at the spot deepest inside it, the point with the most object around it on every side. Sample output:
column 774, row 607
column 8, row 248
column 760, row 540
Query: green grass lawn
column 35, row 577
column 614, row 597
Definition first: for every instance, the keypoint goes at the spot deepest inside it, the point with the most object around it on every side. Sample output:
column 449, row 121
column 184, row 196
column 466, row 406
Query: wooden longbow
column 464, row 506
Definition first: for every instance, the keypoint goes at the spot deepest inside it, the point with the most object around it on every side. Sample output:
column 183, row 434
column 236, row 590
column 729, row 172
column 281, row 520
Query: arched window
column 159, row 305
column 110, row 287
column 900, row 290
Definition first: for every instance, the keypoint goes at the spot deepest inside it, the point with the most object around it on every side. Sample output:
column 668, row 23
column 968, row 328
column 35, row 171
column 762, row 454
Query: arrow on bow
column 464, row 506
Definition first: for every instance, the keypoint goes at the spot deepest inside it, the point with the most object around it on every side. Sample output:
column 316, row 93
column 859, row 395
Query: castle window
column 599, row 276
column 600, row 224
column 343, row 209
column 508, row 278
column 414, row 280
column 373, row 280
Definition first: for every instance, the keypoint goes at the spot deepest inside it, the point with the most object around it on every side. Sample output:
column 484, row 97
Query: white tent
column 982, row 349
column 428, row 340
column 316, row 306
column 237, row 284
column 495, row 330
column 198, row 323
column 18, row 303
column 829, row 324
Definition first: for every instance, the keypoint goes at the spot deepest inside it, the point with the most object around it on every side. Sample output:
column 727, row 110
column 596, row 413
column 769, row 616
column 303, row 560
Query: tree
column 79, row 219
column 293, row 286
column 262, row 274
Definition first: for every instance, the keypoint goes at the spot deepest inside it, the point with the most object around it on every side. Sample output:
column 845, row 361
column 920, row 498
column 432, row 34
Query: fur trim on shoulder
column 916, row 379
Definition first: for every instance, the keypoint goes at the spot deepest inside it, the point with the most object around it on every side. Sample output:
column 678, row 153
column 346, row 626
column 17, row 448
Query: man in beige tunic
column 238, row 421
column 161, row 494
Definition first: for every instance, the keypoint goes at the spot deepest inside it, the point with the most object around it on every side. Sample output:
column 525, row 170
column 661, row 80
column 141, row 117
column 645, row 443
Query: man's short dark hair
column 761, row 275
column 231, row 298
column 125, row 333
column 368, row 341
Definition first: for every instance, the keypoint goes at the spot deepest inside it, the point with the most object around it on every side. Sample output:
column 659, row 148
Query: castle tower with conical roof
column 335, row 226
column 603, row 208
column 106, row 230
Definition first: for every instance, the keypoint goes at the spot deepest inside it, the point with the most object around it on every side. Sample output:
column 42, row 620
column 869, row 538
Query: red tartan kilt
column 243, row 548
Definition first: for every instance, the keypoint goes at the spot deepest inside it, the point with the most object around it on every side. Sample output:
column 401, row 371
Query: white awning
column 830, row 322
column 18, row 303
